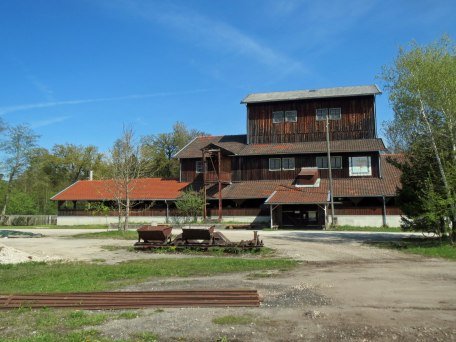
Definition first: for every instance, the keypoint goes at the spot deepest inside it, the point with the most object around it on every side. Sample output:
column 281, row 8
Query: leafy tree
column 17, row 147
column 161, row 148
column 21, row 203
column 422, row 90
column 190, row 205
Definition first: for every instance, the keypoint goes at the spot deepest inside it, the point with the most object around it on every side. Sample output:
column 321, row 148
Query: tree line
column 30, row 175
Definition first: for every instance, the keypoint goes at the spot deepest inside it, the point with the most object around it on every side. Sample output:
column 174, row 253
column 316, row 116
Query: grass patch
column 51, row 325
column 367, row 229
column 39, row 277
column 233, row 320
column 431, row 247
column 128, row 315
column 113, row 234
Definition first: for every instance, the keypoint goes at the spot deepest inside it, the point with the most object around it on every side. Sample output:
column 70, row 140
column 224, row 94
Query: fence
column 27, row 220
column 172, row 212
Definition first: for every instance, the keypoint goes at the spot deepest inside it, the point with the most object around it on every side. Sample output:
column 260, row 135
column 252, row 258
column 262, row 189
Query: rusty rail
column 133, row 300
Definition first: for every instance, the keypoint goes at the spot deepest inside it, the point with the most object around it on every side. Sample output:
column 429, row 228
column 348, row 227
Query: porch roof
column 287, row 195
column 141, row 189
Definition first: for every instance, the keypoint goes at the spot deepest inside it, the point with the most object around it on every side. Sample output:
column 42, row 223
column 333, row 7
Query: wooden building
column 278, row 172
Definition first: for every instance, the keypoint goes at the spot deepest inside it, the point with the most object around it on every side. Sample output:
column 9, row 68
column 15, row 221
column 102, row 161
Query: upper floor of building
column 300, row 116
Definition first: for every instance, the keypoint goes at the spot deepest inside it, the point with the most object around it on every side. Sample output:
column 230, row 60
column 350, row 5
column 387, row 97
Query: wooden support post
column 219, row 186
column 384, row 211
column 167, row 211
column 204, row 186
column 270, row 214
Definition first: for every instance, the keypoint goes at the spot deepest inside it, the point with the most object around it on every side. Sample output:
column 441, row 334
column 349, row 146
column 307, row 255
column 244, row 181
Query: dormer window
column 360, row 166
column 291, row 116
column 277, row 117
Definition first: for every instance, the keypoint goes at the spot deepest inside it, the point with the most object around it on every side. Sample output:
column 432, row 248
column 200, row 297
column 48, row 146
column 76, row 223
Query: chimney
column 90, row 175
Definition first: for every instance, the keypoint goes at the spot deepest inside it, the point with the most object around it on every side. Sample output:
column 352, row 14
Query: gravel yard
column 342, row 290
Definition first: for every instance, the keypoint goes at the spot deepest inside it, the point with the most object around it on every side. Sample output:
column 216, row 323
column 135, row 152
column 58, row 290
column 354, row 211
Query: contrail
column 22, row 107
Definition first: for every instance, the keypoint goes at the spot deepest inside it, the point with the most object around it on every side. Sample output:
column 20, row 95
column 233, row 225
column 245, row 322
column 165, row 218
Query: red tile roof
column 142, row 189
column 342, row 187
column 236, row 144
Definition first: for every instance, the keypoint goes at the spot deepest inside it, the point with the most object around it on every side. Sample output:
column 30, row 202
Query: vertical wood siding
column 357, row 120
column 257, row 167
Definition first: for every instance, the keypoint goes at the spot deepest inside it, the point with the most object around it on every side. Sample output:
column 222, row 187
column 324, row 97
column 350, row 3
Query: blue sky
column 77, row 71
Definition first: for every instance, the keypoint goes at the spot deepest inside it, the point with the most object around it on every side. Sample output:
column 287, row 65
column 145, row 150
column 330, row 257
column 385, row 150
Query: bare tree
column 126, row 165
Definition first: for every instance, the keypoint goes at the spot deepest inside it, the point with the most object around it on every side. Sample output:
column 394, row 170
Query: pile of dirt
column 9, row 255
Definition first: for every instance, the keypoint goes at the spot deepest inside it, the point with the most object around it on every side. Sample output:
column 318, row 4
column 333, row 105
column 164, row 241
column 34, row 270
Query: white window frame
column 335, row 113
column 354, row 173
column 320, row 114
column 280, row 164
column 294, row 114
column 277, row 117
column 326, row 159
column 199, row 166
column 289, row 168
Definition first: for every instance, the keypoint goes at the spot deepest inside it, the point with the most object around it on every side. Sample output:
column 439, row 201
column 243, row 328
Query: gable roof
column 232, row 143
column 236, row 144
column 312, row 94
column 142, row 189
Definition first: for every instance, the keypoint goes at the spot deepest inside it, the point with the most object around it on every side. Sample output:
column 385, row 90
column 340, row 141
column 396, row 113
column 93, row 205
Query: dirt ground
column 342, row 290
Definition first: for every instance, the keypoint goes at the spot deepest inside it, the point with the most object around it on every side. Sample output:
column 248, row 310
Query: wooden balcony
column 212, row 177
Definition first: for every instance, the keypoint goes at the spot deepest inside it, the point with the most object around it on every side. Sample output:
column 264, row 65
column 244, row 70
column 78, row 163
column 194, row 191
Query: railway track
column 133, row 300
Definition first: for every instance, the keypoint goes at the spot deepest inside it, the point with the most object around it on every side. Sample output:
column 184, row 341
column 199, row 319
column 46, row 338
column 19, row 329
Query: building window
column 321, row 113
column 275, row 164
column 334, row 113
column 199, row 166
column 360, row 166
column 336, row 162
column 291, row 116
column 277, row 117
column 288, row 163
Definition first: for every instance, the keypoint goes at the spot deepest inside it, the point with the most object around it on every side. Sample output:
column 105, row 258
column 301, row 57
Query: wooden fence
column 172, row 212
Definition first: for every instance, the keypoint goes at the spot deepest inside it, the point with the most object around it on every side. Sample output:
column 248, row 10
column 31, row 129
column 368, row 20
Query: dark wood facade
column 257, row 167
column 357, row 120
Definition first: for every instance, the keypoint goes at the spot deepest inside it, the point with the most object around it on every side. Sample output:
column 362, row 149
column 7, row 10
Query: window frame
column 322, row 110
column 338, row 109
column 357, row 174
column 294, row 164
column 280, row 164
column 295, row 115
column 281, row 116
column 327, row 165
column 327, row 112
column 200, row 168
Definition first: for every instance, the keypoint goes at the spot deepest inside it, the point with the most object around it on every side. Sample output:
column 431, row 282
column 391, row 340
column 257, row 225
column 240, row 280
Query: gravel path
column 341, row 291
